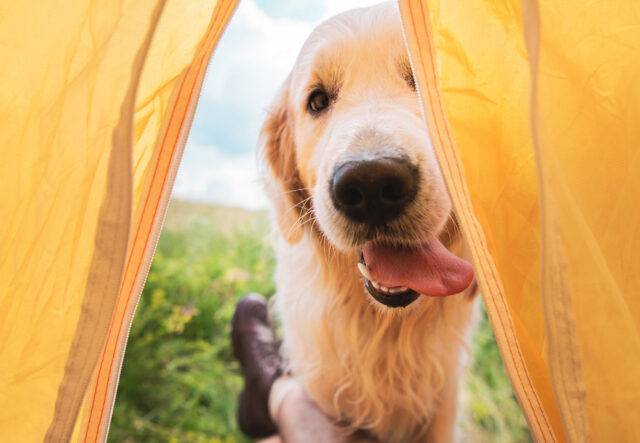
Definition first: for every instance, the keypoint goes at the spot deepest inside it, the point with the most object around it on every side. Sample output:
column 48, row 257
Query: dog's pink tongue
column 430, row 269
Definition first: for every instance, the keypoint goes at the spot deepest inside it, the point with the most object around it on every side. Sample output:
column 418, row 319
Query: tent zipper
column 155, row 235
column 147, row 267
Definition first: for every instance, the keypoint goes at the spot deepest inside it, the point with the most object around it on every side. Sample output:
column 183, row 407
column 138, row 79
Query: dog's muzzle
column 373, row 192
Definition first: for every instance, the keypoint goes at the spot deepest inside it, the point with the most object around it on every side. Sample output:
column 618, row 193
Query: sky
column 254, row 56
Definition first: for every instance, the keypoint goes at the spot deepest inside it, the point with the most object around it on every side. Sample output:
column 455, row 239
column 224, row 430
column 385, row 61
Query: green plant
column 490, row 406
column 180, row 382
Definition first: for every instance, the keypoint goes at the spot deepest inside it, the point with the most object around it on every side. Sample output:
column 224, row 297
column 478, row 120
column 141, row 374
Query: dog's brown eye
column 318, row 100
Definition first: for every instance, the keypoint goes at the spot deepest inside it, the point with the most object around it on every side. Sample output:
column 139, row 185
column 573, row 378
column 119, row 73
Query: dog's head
column 351, row 160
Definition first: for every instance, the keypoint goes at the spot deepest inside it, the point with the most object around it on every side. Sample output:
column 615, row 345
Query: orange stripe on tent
column 441, row 124
column 447, row 147
column 108, row 260
column 149, row 222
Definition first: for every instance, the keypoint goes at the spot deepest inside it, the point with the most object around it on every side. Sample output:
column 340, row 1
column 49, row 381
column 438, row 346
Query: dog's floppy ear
column 283, row 180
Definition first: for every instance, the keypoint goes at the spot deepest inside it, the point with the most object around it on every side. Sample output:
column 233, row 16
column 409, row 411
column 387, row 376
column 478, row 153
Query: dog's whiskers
column 300, row 222
column 302, row 204
column 295, row 190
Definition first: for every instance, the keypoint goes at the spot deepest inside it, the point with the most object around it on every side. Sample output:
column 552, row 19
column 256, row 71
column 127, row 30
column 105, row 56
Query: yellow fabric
column 586, row 111
column 563, row 300
column 61, row 102
column 70, row 74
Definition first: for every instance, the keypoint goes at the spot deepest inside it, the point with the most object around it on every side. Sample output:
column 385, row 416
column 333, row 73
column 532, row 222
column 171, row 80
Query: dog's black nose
column 374, row 191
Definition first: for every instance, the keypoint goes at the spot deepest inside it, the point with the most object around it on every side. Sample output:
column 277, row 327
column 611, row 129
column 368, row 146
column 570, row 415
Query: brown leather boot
column 255, row 346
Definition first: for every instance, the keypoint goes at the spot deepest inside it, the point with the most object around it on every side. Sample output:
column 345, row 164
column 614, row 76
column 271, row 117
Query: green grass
column 179, row 380
column 490, row 407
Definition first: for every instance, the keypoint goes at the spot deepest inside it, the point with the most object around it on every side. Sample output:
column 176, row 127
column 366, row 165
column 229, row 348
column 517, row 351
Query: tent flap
column 95, row 112
column 538, row 145
column 477, row 110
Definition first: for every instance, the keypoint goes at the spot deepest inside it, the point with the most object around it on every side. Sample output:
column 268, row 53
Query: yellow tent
column 532, row 109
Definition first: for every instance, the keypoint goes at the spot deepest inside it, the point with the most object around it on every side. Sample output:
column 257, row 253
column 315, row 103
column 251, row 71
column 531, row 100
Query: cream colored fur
column 392, row 371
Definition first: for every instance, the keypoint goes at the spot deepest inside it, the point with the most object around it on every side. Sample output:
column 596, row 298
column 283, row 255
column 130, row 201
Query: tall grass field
column 179, row 379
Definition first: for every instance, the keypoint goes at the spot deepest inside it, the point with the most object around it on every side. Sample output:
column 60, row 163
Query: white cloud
column 256, row 54
column 208, row 175
column 253, row 59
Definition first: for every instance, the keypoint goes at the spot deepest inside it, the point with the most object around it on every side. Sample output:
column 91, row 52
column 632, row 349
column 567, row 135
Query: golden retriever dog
column 373, row 292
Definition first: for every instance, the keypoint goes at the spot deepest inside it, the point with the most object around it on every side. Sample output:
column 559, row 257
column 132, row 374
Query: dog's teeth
column 365, row 271
column 367, row 274
column 397, row 289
